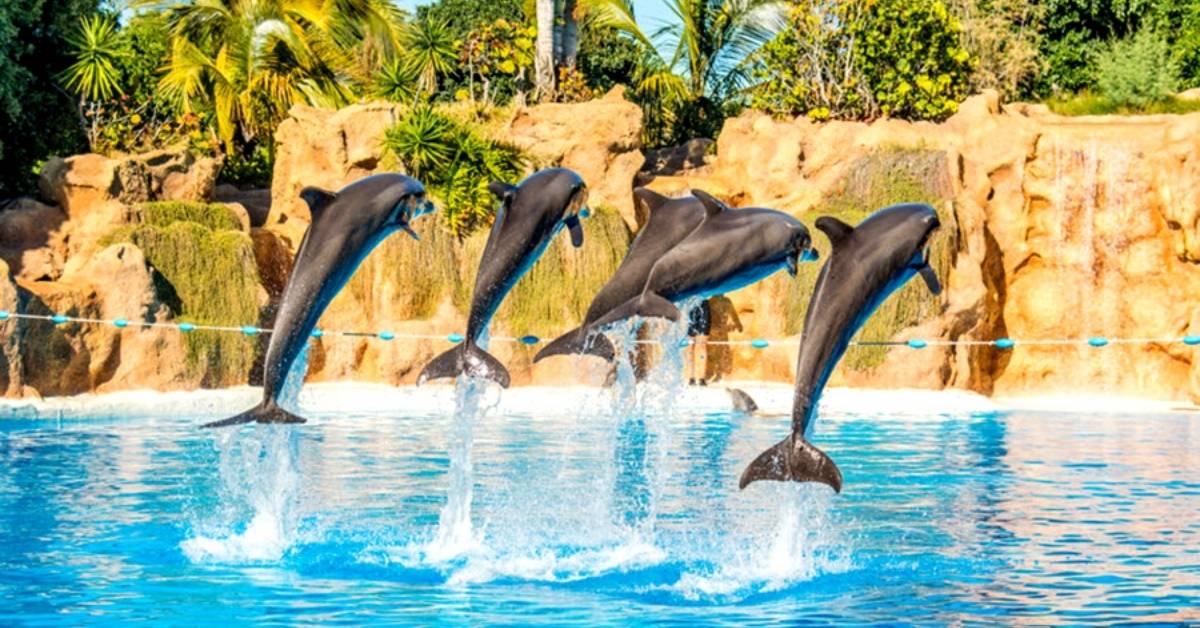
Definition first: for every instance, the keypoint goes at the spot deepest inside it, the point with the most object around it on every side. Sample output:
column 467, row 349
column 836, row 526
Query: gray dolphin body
column 530, row 215
column 731, row 249
column 868, row 263
column 670, row 221
column 345, row 227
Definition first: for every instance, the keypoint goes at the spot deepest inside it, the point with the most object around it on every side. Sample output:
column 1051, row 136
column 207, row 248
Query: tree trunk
column 570, row 34
column 544, row 54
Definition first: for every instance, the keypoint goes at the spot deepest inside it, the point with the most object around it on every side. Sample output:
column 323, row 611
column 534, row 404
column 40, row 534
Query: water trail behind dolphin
column 642, row 415
column 256, row 518
column 259, row 474
column 455, row 534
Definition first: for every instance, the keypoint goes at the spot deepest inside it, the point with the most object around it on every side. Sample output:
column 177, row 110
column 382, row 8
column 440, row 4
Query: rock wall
column 1066, row 228
column 1054, row 228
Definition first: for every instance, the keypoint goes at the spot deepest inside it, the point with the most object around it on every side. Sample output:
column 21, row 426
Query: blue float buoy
column 120, row 322
column 1097, row 341
column 684, row 342
column 386, row 335
column 59, row 319
column 317, row 333
column 186, row 327
column 529, row 340
column 1004, row 343
column 455, row 338
column 759, row 343
column 249, row 330
column 1187, row 340
column 917, row 343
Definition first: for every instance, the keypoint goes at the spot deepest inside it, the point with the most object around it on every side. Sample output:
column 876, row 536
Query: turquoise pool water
column 573, row 512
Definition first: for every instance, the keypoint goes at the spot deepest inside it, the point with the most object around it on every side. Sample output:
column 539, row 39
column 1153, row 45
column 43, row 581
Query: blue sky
column 651, row 14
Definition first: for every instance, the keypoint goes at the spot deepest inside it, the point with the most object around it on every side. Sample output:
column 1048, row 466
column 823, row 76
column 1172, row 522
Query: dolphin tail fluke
column 266, row 412
column 648, row 305
column 465, row 359
column 796, row 460
column 578, row 341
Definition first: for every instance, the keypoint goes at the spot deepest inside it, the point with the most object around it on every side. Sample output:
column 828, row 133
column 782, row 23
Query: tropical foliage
column 37, row 118
column 1137, row 71
column 705, row 65
column 456, row 162
column 499, row 49
column 901, row 58
column 250, row 61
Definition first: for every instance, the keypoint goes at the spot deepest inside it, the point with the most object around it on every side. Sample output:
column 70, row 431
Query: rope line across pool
column 757, row 343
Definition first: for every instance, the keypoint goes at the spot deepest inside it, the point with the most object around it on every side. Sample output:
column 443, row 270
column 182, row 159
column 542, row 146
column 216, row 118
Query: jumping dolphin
column 731, row 249
column 530, row 214
column 670, row 221
column 345, row 227
column 868, row 263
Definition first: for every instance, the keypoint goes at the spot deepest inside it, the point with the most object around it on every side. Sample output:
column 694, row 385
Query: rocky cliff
column 1061, row 228
column 1053, row 228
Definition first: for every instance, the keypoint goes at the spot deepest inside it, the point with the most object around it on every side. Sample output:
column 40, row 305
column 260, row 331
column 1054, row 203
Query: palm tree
column 251, row 60
column 710, row 44
column 428, row 52
column 94, row 45
column 543, row 59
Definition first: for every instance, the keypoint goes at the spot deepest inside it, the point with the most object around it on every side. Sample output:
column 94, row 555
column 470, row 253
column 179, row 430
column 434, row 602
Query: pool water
column 586, row 506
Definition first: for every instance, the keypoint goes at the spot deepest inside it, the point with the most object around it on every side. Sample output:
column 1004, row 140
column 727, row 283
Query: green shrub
column 457, row 162
column 1089, row 104
column 1137, row 71
column 252, row 165
column 875, row 181
column 858, row 60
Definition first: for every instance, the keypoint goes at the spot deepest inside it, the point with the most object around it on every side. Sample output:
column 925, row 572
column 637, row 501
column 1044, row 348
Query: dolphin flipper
column 579, row 341
column 793, row 459
column 465, row 359
column 264, row 413
column 646, row 305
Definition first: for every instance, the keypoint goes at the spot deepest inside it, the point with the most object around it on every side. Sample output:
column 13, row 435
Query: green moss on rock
column 214, row 216
column 205, row 271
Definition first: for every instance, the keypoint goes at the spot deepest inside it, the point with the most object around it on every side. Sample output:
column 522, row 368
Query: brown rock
column 11, row 380
column 30, row 239
column 599, row 139
column 327, row 149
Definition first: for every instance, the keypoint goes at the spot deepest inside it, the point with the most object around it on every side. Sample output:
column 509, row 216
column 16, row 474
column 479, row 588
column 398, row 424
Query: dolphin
column 731, row 249
column 345, row 227
column 742, row 402
column 670, row 221
column 868, row 263
column 530, row 215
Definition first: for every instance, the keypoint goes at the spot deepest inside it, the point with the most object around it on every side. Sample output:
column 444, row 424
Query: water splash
column 795, row 541
column 455, row 534
column 260, row 482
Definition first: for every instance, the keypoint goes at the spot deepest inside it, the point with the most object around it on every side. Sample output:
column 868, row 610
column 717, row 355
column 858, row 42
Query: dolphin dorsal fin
column 837, row 231
column 317, row 200
column 712, row 206
column 501, row 189
column 649, row 199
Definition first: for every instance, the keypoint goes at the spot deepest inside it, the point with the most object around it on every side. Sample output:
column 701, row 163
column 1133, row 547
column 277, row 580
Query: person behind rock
column 723, row 318
column 698, row 324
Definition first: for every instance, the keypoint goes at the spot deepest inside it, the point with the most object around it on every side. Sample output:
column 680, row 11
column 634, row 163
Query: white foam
column 370, row 398
column 264, row 540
